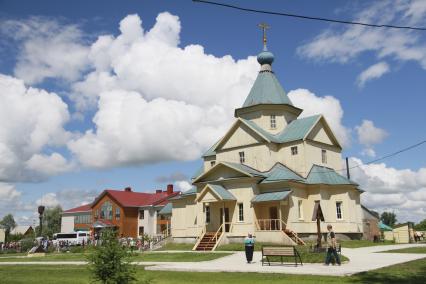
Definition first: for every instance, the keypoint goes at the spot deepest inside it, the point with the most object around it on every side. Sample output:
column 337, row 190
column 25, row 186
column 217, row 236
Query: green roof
column 271, row 196
column 384, row 227
column 244, row 168
column 222, row 192
column 266, row 90
column 280, row 172
column 191, row 191
column 166, row 210
column 211, row 151
column 297, row 129
column 324, row 175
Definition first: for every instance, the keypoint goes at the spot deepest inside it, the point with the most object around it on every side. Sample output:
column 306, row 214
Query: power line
column 309, row 17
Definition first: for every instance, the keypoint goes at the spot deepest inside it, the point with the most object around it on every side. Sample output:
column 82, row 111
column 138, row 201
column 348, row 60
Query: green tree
column 421, row 226
column 109, row 262
column 8, row 223
column 388, row 218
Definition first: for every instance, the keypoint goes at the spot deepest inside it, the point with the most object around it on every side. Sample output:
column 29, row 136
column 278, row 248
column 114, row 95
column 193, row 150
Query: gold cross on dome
column 264, row 27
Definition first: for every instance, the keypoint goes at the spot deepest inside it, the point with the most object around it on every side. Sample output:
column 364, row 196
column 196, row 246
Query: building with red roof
column 131, row 213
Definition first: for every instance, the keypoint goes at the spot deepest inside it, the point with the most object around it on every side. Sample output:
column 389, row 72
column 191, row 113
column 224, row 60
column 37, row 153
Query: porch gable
column 214, row 193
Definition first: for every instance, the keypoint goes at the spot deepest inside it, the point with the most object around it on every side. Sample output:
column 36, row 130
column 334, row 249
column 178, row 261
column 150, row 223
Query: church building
column 268, row 175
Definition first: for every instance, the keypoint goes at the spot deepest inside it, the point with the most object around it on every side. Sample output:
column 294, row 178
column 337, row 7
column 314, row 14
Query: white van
column 73, row 238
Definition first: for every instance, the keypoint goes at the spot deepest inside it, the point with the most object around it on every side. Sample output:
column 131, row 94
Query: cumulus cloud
column 183, row 185
column 391, row 189
column 67, row 198
column 369, row 135
column 47, row 49
column 31, row 120
column 329, row 106
column 344, row 44
column 375, row 71
column 156, row 101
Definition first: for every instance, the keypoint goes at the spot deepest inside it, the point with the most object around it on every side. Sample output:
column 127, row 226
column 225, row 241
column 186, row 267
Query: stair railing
column 294, row 234
column 200, row 237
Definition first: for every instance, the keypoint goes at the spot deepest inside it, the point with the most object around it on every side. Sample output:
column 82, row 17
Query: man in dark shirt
column 331, row 246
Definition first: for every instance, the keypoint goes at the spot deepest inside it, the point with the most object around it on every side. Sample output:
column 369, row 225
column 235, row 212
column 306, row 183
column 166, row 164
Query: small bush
column 110, row 262
column 27, row 244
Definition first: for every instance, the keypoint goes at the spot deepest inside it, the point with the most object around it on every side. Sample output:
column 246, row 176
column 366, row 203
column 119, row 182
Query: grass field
column 176, row 246
column 411, row 272
column 151, row 256
column 363, row 243
column 409, row 250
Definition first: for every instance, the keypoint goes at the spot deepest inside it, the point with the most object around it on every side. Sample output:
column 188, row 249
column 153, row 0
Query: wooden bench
column 281, row 251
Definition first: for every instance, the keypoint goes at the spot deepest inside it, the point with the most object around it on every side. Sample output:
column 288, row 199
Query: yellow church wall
column 312, row 151
column 242, row 136
column 319, row 134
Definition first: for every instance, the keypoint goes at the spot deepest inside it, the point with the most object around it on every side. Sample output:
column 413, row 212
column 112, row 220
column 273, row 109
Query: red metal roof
column 83, row 208
column 137, row 199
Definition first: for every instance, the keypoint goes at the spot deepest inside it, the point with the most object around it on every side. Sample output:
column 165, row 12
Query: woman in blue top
column 249, row 246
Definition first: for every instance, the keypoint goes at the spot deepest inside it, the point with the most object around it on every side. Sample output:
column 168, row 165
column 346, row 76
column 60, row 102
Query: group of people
column 418, row 236
column 331, row 247
column 15, row 246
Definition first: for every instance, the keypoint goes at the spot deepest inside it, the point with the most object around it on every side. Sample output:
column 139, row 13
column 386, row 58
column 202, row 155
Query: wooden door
column 273, row 215
column 227, row 225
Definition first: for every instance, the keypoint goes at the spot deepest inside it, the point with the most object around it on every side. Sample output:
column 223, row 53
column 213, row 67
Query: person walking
column 331, row 246
column 249, row 247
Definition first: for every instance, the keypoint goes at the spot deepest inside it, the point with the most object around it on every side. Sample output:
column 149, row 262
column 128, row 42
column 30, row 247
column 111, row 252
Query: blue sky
column 318, row 59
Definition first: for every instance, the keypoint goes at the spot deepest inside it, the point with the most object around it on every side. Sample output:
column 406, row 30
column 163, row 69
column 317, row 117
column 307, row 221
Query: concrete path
column 361, row 259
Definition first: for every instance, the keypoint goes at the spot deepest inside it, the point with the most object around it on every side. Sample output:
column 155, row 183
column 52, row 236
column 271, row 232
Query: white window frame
column 300, row 208
column 242, row 157
column 324, row 156
column 294, row 151
column 240, row 212
column 339, row 210
column 273, row 121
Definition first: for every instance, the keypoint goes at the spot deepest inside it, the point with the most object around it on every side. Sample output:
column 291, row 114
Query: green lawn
column 240, row 247
column 412, row 272
column 176, row 246
column 409, row 250
column 363, row 243
column 149, row 256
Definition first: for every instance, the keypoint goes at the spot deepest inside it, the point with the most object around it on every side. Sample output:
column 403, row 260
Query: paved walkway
column 361, row 259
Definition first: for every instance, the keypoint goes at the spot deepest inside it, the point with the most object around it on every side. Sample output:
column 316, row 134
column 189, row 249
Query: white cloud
column 369, row 135
column 375, row 71
column 328, row 106
column 391, row 189
column 183, row 185
column 8, row 192
column 47, row 49
column 156, row 101
column 67, row 198
column 345, row 44
column 31, row 120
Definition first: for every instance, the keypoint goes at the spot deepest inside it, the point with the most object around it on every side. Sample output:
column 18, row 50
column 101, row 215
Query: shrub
column 110, row 262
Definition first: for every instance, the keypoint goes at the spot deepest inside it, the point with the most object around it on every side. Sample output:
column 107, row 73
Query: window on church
column 324, row 156
column 339, row 210
column 212, row 163
column 299, row 204
column 207, row 211
column 294, row 150
column 141, row 214
column 240, row 212
column 273, row 121
column 242, row 157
